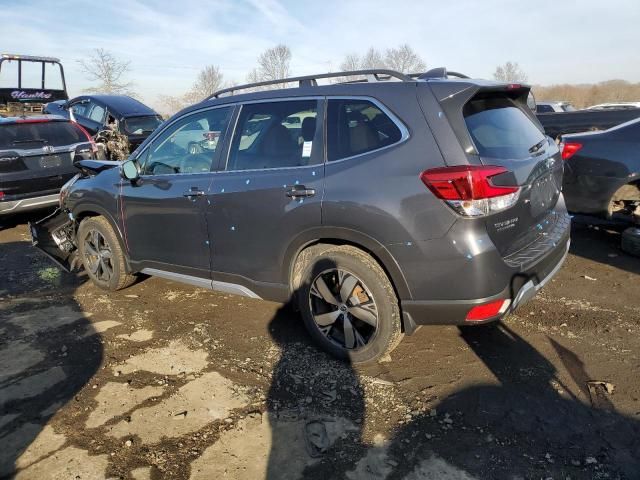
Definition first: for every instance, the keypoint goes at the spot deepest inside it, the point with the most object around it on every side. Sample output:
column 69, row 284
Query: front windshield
column 141, row 125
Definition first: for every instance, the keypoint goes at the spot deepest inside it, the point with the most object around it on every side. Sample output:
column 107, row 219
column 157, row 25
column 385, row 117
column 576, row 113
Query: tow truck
column 28, row 82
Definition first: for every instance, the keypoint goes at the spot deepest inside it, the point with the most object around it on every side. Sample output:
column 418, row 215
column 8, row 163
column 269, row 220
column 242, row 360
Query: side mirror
column 130, row 170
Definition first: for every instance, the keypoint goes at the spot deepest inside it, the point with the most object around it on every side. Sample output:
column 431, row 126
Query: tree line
column 274, row 63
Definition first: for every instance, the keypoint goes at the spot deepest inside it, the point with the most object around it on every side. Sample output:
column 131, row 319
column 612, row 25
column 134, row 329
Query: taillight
column 569, row 149
column 1, row 194
column 469, row 190
column 94, row 147
column 487, row 311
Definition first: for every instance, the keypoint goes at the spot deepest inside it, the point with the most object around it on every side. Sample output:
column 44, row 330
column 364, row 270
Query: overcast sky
column 169, row 41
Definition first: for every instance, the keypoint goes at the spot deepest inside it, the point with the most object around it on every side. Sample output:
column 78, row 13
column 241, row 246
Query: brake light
column 94, row 147
column 468, row 189
column 1, row 195
column 569, row 149
column 487, row 311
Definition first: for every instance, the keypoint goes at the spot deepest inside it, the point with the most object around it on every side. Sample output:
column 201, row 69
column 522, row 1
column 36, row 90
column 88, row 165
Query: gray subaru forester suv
column 377, row 204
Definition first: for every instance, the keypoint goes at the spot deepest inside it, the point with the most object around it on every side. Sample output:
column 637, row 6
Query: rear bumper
column 521, row 288
column 26, row 204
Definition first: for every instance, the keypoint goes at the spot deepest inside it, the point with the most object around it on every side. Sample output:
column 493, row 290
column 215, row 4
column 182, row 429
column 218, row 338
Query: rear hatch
column 496, row 128
column 36, row 156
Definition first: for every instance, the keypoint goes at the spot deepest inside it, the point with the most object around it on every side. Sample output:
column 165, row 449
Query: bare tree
column 273, row 64
column 510, row 72
column 350, row 62
column 404, row 59
column 372, row 59
column 106, row 69
column 171, row 104
column 209, row 80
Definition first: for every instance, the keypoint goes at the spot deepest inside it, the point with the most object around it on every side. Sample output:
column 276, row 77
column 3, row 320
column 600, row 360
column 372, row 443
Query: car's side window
column 189, row 145
column 358, row 126
column 97, row 113
column 275, row 135
column 81, row 109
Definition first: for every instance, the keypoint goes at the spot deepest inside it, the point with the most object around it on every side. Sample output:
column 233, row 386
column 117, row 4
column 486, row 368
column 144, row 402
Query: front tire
column 347, row 303
column 101, row 254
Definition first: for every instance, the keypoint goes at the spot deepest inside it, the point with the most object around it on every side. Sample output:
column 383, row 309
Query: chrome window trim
column 253, row 102
column 404, row 131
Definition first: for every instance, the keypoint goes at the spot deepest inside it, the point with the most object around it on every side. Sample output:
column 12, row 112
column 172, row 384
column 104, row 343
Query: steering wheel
column 195, row 163
column 154, row 165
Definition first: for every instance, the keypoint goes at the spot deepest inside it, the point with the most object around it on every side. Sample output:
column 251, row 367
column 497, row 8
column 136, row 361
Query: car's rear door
column 164, row 210
column 268, row 190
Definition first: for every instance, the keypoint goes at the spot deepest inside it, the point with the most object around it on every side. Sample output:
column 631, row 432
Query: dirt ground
column 163, row 380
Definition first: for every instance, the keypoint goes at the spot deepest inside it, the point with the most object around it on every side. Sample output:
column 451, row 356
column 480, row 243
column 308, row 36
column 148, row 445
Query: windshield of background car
column 141, row 125
column 34, row 135
column 500, row 129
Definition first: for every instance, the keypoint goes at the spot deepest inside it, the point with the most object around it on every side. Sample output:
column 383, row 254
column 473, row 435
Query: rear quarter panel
column 604, row 164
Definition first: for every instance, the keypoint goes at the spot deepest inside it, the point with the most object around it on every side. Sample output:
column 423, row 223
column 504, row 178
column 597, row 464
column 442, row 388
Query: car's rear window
column 33, row 135
column 500, row 129
column 141, row 125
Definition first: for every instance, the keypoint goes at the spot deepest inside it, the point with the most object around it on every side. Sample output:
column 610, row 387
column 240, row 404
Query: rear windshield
column 34, row 135
column 141, row 125
column 500, row 129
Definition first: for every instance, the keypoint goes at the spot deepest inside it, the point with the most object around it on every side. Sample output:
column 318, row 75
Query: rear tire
column 631, row 241
column 101, row 254
column 347, row 303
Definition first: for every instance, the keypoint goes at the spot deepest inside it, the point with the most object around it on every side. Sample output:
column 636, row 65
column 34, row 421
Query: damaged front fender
column 55, row 236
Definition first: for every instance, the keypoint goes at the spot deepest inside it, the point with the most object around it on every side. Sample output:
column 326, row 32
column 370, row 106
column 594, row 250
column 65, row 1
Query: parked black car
column 96, row 112
column 562, row 123
column 37, row 157
column 377, row 205
column 602, row 174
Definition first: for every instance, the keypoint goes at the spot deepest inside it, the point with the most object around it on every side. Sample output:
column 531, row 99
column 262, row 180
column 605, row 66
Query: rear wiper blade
column 33, row 140
column 537, row 146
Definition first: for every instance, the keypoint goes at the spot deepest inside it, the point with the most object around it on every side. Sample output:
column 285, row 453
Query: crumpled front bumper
column 55, row 237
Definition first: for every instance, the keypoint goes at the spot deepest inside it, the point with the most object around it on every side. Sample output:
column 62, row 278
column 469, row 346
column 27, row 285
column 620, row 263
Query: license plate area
column 544, row 194
column 50, row 161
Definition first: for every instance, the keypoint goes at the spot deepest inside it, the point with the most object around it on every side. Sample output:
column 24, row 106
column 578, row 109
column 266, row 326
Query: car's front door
column 268, row 190
column 164, row 209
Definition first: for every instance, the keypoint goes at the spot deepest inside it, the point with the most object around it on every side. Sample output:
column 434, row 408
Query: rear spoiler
column 453, row 95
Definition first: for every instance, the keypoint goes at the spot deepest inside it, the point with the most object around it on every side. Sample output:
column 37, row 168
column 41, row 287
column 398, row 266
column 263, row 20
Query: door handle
column 194, row 192
column 299, row 191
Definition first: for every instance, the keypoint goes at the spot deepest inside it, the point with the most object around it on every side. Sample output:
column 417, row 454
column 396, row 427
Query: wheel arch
column 94, row 210
column 629, row 190
column 343, row 236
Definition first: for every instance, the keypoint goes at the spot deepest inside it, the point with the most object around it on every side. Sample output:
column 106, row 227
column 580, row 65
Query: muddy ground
column 163, row 380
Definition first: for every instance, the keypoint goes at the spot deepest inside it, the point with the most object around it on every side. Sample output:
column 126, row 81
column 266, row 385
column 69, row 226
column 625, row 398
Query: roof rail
column 374, row 75
column 28, row 58
column 439, row 72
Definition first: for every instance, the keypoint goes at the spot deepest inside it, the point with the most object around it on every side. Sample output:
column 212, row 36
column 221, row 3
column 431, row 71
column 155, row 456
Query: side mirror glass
column 531, row 102
column 130, row 170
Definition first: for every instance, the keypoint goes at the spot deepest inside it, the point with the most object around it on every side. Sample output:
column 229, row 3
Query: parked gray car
column 395, row 202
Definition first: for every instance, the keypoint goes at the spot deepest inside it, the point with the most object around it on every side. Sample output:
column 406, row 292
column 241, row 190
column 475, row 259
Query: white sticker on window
column 306, row 149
